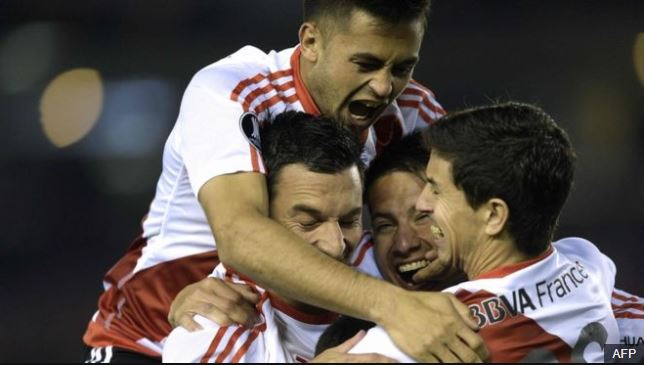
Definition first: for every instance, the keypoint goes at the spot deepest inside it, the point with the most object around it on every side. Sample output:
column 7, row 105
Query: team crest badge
column 250, row 128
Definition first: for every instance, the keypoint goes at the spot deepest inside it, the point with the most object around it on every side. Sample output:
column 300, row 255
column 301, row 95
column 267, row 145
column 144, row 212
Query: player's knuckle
column 238, row 299
column 228, row 305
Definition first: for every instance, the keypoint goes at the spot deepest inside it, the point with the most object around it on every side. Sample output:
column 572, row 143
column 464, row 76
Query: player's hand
column 222, row 302
column 339, row 354
column 433, row 327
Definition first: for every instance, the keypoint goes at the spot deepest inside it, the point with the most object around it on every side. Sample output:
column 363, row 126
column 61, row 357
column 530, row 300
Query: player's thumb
column 464, row 313
column 350, row 343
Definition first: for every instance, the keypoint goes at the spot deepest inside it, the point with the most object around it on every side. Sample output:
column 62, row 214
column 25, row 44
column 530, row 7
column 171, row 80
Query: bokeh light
column 27, row 55
column 70, row 106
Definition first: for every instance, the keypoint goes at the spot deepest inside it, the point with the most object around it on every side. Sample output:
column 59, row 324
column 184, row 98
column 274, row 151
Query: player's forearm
column 275, row 258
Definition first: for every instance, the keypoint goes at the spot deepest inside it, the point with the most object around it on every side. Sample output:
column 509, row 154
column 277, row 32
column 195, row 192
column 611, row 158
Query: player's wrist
column 385, row 303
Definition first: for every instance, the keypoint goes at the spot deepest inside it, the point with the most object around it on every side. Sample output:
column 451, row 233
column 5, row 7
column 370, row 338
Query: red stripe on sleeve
column 265, row 90
column 266, row 104
column 424, row 99
column 638, row 306
column 417, row 84
column 628, row 315
column 235, row 94
column 624, row 298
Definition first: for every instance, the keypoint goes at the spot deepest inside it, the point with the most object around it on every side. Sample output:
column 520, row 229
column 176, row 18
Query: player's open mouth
column 365, row 110
column 407, row 270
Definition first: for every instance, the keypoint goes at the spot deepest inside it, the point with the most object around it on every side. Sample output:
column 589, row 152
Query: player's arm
column 428, row 326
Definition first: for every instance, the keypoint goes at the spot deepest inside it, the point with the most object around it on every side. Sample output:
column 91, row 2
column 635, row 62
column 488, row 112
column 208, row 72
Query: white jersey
column 283, row 335
column 552, row 308
column 215, row 134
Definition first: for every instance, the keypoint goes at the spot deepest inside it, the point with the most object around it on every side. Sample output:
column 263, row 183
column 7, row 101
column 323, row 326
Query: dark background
column 68, row 213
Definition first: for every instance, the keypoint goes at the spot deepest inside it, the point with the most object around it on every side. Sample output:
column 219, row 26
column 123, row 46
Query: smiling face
column 404, row 242
column 457, row 228
column 323, row 209
column 354, row 71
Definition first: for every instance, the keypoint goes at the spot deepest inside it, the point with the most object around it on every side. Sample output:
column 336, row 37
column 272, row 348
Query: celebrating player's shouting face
column 356, row 65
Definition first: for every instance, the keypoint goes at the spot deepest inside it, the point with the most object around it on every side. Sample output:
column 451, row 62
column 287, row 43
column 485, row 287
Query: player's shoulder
column 245, row 63
column 420, row 101
column 414, row 90
column 576, row 245
column 583, row 250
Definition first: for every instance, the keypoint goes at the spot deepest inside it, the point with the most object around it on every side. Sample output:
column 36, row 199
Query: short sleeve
column 211, row 141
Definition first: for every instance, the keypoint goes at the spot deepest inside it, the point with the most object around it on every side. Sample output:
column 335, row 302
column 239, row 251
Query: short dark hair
column 321, row 144
column 515, row 152
column 390, row 11
column 408, row 154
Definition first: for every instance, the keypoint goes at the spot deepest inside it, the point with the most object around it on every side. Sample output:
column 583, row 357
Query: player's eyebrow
column 383, row 215
column 386, row 215
column 315, row 213
column 432, row 182
column 354, row 212
column 372, row 58
column 303, row 208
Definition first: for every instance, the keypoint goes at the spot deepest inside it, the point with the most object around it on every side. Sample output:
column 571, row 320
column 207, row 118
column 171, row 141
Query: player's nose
column 331, row 240
column 406, row 239
column 381, row 84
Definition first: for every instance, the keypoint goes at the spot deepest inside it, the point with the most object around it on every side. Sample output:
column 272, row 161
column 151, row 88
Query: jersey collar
column 301, row 91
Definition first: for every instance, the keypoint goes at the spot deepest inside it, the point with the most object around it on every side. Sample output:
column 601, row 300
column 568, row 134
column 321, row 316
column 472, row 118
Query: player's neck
column 490, row 255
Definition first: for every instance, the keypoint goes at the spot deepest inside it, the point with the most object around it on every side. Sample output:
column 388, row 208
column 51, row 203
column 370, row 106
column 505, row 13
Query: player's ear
column 310, row 40
column 496, row 215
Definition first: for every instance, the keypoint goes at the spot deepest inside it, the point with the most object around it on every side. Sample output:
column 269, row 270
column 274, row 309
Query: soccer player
column 495, row 183
column 315, row 187
column 354, row 62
